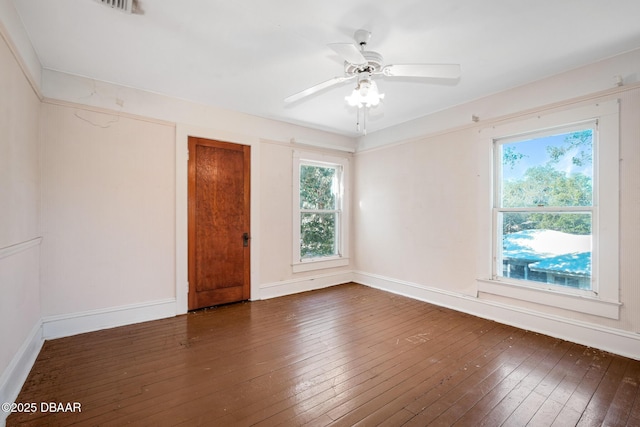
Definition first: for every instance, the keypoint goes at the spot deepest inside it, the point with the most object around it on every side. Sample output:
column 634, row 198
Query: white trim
column 320, row 264
column 413, row 290
column 15, row 36
column 94, row 320
column 304, row 284
column 109, row 111
column 573, row 302
column 605, row 269
column 342, row 258
column 613, row 340
column 296, row 141
column 16, row 373
column 182, row 199
column 183, row 132
column 19, row 247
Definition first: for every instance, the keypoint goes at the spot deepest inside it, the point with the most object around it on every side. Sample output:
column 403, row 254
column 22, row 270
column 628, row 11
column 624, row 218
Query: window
column 319, row 210
column 320, row 216
column 544, row 207
column 552, row 227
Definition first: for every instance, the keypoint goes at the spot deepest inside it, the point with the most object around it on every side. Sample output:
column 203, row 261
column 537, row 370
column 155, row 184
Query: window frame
column 498, row 209
column 300, row 264
column 603, row 299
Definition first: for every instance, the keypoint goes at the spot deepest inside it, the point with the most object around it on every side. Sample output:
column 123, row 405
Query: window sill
column 319, row 264
column 580, row 303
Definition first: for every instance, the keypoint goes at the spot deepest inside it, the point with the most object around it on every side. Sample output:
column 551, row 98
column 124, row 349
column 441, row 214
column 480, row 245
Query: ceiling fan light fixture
column 366, row 94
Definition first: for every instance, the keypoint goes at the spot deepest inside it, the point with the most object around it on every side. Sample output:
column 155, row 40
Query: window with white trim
column 544, row 207
column 320, row 217
column 554, row 234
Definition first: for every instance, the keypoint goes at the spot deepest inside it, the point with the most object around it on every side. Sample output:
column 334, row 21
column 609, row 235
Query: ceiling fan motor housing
column 373, row 65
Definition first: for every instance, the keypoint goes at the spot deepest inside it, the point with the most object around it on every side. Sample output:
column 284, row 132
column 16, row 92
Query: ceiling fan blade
column 349, row 52
column 437, row 71
column 317, row 88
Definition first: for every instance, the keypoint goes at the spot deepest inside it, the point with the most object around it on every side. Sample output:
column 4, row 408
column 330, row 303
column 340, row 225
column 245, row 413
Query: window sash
column 337, row 176
column 498, row 209
column 591, row 124
column 337, row 239
column 543, row 209
column 320, row 210
column 339, row 256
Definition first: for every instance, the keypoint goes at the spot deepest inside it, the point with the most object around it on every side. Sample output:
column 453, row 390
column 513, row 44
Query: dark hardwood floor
column 346, row 355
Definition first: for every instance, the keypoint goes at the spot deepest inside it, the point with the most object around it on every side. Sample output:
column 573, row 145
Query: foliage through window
column 544, row 207
column 320, row 211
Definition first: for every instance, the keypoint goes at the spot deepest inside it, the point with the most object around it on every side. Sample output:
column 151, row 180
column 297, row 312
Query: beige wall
column 108, row 207
column 19, row 207
column 276, row 214
column 109, row 211
column 420, row 199
column 427, row 199
column 114, row 195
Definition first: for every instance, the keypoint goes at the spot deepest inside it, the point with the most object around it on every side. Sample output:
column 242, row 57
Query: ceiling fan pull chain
column 364, row 120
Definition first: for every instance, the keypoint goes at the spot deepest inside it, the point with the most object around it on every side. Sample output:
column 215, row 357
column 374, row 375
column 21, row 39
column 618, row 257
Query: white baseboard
column 589, row 334
column 93, row 320
column 16, row 373
column 303, row 284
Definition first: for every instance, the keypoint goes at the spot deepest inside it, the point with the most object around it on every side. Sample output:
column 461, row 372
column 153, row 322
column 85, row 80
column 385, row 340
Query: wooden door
column 219, row 234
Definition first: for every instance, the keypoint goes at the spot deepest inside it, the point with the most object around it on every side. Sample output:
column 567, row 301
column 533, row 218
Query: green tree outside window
column 318, row 211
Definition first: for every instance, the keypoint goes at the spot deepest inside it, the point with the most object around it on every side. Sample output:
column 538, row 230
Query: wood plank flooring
column 347, row 355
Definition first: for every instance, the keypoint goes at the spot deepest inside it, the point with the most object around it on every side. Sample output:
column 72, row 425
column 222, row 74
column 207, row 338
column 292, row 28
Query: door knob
column 245, row 239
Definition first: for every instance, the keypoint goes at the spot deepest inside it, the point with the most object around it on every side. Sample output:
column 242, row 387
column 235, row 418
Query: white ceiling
column 249, row 55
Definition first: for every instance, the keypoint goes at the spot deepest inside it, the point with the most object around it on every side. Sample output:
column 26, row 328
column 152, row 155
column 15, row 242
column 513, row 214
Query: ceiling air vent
column 123, row 5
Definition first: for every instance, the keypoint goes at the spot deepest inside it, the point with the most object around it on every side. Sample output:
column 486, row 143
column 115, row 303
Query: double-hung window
column 554, row 234
column 544, row 207
column 320, row 214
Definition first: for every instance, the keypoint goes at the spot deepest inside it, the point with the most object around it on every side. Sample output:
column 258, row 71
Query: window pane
column 318, row 234
column 546, row 247
column 553, row 170
column 318, row 187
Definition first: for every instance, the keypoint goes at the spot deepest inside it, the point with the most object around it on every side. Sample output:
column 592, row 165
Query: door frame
column 183, row 132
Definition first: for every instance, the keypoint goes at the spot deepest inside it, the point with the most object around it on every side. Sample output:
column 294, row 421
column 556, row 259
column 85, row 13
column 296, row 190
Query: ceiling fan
column 363, row 66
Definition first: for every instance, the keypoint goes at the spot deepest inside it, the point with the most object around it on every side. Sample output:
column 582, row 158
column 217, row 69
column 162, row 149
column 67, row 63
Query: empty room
column 319, row 213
